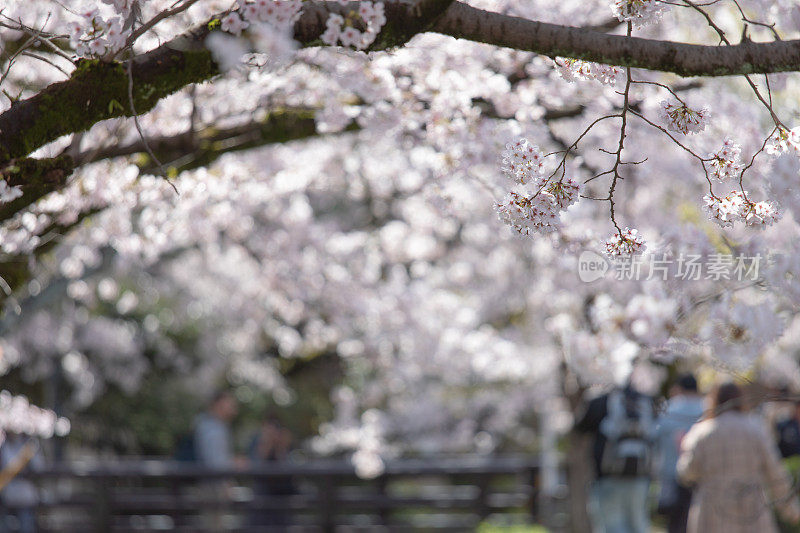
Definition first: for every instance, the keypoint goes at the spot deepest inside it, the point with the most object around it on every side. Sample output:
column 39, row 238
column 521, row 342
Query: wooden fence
column 452, row 494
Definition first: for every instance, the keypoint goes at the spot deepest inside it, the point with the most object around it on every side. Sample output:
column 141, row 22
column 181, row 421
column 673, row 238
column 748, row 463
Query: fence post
column 536, row 501
column 383, row 508
column 103, row 511
column 483, row 482
column 177, row 513
column 327, row 490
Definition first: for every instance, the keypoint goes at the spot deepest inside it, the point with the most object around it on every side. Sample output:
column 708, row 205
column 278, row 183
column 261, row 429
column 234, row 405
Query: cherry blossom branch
column 618, row 160
column 562, row 163
column 192, row 149
column 770, row 27
column 16, row 270
column 37, row 177
column 139, row 127
column 755, row 155
column 185, row 151
column 727, row 42
column 89, row 96
column 147, row 26
column 463, row 21
column 668, row 134
column 691, row 152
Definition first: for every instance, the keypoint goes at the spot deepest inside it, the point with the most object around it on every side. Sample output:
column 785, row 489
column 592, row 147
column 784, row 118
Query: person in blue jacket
column 684, row 407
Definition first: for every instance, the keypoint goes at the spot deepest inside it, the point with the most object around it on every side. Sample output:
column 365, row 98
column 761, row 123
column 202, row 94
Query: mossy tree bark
column 98, row 91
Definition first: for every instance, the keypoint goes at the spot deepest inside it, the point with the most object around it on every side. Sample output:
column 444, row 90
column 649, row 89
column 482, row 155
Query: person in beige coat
column 735, row 468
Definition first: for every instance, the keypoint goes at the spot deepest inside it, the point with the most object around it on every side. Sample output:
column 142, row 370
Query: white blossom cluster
column 625, row 243
column 737, row 207
column 123, row 7
column 783, row 141
column 522, row 162
column 678, row 117
column 564, row 192
column 725, row 162
column 17, row 415
column 537, row 208
column 737, row 332
column 95, row 36
column 639, row 12
column 277, row 13
column 372, row 16
column 529, row 214
column 573, row 69
column 9, row 193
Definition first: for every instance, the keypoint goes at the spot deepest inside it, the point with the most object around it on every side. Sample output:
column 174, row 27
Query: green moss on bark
column 37, row 177
column 98, row 91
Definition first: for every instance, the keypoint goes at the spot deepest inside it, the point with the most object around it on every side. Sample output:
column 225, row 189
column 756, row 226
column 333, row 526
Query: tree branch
column 185, row 151
column 193, row 149
column 466, row 22
column 98, row 91
column 37, row 177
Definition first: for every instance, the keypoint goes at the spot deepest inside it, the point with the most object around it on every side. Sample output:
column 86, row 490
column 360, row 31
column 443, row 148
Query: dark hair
column 273, row 420
column 687, row 382
column 727, row 396
column 218, row 395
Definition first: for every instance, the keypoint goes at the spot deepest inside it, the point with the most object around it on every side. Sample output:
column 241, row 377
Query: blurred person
column 788, row 432
column 734, row 466
column 622, row 423
column 212, row 432
column 684, row 407
column 272, row 444
column 213, row 448
column 20, row 497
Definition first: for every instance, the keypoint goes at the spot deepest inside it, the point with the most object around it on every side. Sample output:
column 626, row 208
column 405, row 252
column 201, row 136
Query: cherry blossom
column 565, row 192
column 372, row 16
column 278, row 13
column 783, row 141
column 529, row 215
column 95, row 36
column 572, row 69
column 678, row 117
column 625, row 243
column 233, row 23
column 761, row 214
column 725, row 162
column 17, row 415
column 7, row 193
column 522, row 161
column 639, row 12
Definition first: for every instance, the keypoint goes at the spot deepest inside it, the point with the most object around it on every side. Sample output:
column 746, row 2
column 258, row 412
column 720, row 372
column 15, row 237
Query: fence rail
column 450, row 494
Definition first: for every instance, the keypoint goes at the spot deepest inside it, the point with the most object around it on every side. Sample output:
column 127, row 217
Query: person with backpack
column 622, row 423
column 684, row 407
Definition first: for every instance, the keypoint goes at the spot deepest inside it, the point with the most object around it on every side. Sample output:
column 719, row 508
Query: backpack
column 628, row 428
column 185, row 450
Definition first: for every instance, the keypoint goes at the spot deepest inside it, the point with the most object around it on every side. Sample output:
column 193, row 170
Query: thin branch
column 139, row 127
column 624, row 115
column 144, row 28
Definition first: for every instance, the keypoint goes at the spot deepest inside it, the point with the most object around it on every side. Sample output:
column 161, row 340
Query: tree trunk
column 577, row 459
